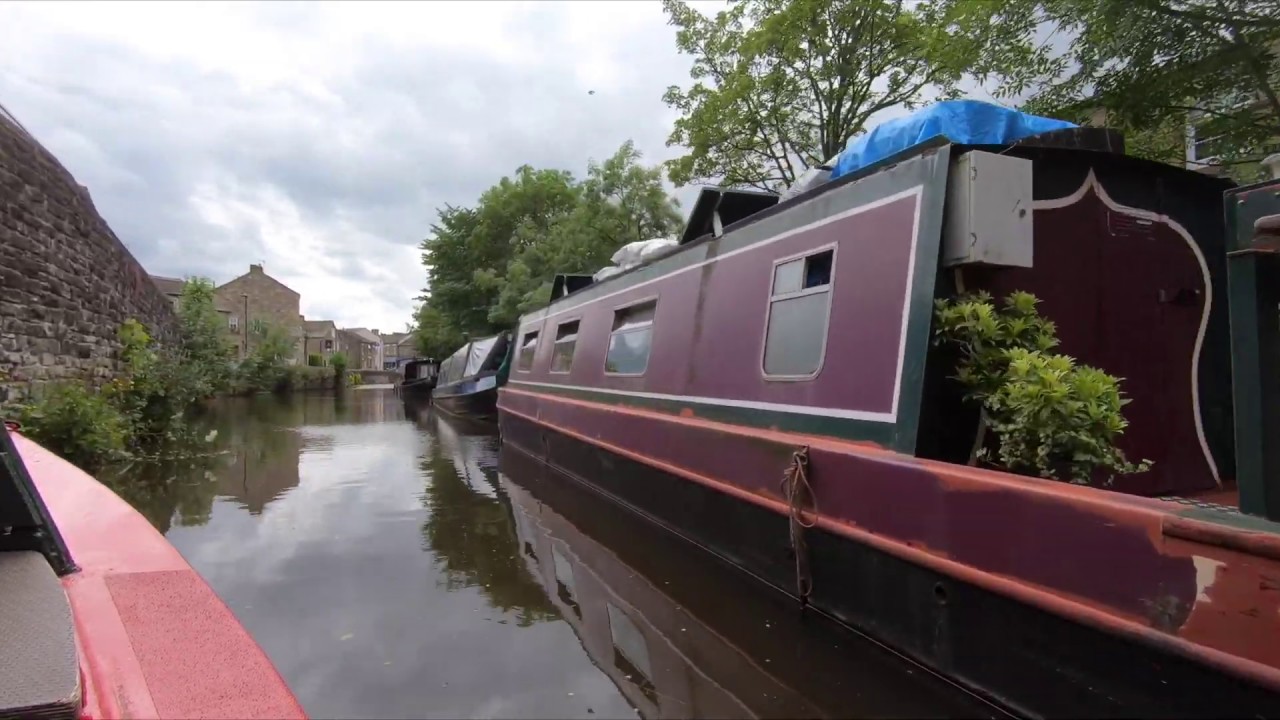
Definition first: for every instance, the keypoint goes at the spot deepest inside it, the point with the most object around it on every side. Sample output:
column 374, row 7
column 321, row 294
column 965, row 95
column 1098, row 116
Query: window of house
column 799, row 309
column 631, row 339
column 233, row 323
column 562, row 352
column 528, row 345
column 328, row 345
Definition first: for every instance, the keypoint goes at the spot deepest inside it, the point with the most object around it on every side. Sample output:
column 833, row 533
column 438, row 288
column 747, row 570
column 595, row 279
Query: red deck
column 155, row 641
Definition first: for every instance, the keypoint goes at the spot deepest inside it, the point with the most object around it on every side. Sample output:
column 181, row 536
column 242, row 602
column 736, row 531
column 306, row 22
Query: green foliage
column 1152, row 64
column 338, row 361
column 203, row 342
column 77, row 422
column 488, row 264
column 266, row 369
column 1051, row 416
column 781, row 85
column 315, row 359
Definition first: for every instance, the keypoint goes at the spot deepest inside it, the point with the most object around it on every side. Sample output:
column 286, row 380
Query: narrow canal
column 394, row 563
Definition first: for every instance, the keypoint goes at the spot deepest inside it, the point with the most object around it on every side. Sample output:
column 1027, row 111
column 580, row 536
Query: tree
column 488, row 264
column 203, row 336
column 1153, row 65
column 619, row 202
column 781, row 85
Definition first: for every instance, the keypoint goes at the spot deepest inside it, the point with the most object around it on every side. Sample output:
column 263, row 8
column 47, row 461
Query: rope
column 797, row 490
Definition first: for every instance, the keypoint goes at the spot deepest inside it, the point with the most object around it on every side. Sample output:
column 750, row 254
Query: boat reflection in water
column 683, row 635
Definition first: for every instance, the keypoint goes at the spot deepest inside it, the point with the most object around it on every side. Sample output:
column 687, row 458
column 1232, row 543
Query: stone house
column 398, row 348
column 362, row 347
column 319, row 337
column 256, row 296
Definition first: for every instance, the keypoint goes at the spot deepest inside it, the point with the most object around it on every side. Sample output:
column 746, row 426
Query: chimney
column 255, row 269
column 375, row 332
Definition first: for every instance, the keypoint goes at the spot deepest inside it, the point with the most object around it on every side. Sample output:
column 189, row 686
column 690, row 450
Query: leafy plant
column 1051, row 416
column 338, row 361
column 77, row 422
column 315, row 359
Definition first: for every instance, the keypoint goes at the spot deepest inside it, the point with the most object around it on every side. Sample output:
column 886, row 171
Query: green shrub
column 1051, row 416
column 77, row 422
column 338, row 361
column 315, row 360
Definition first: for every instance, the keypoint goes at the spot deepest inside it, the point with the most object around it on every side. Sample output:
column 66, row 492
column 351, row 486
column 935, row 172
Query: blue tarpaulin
column 967, row 122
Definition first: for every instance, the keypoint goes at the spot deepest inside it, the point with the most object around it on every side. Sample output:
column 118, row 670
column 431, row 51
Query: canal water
column 396, row 563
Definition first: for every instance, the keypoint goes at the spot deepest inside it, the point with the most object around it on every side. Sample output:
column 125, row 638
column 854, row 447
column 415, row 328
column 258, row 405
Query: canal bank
column 381, row 560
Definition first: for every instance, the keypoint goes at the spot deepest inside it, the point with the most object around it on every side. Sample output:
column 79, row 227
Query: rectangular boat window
column 562, row 351
column 799, row 309
column 631, row 339
column 527, row 347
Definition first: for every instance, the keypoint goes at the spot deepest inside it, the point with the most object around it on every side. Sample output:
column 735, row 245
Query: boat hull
column 891, row 556
column 418, row 389
column 154, row 640
column 476, row 400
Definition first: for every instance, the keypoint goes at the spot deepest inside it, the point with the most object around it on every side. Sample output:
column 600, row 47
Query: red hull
column 154, row 640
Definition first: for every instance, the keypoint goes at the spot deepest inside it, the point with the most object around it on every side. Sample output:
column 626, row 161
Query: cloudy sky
column 320, row 139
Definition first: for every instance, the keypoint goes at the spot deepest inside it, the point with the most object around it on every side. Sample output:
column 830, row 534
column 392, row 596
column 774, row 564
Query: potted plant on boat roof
column 1051, row 417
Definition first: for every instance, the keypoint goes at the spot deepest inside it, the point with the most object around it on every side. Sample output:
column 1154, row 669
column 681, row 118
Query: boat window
column 562, row 352
column 799, row 308
column 630, row 340
column 527, row 347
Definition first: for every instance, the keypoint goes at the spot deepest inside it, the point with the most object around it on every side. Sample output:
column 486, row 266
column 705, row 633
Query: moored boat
column 469, row 379
column 792, row 341
column 104, row 618
column 418, row 378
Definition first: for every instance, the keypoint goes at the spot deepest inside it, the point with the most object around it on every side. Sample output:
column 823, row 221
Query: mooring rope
column 797, row 490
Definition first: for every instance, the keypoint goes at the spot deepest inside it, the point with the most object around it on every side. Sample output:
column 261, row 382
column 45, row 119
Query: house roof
column 364, row 334
column 318, row 325
column 395, row 338
column 168, row 285
column 256, row 270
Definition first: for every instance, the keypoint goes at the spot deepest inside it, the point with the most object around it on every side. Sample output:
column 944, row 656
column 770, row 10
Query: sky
column 319, row 139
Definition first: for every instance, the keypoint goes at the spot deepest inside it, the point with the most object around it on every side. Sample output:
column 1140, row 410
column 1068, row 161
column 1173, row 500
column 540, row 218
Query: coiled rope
column 798, row 492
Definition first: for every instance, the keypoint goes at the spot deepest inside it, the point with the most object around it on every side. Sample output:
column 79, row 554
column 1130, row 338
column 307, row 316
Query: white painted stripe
column 1091, row 183
column 906, row 310
column 917, row 191
column 725, row 402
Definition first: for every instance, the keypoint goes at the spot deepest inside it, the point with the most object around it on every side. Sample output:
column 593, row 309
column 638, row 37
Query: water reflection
column 395, row 564
column 470, row 528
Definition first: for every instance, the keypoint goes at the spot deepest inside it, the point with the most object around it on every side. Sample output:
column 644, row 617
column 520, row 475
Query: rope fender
column 799, row 493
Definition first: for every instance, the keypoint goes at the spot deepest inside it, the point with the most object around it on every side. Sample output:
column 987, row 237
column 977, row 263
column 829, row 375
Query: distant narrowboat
column 792, row 342
column 469, row 380
column 419, row 378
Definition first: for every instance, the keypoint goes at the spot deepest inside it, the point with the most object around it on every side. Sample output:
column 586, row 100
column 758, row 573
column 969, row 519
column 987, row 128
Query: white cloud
column 320, row 138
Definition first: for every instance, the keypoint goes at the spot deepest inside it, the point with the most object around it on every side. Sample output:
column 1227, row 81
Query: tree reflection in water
column 470, row 526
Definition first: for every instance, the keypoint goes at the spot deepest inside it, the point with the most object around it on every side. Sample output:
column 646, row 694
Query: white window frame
column 233, row 323
column 770, row 299
column 613, row 317
column 572, row 356
column 524, row 333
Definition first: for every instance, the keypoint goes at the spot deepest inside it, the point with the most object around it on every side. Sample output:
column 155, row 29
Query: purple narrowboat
column 792, row 340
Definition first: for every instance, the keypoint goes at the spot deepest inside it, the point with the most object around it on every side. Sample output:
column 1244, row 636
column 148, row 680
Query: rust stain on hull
column 1210, row 595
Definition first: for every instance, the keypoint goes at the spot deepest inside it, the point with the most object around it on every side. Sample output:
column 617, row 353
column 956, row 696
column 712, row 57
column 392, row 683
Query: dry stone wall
column 67, row 283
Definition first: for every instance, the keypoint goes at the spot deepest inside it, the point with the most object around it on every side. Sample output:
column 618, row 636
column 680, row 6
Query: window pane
column 787, row 277
column 527, row 349
column 634, row 316
column 629, row 351
column 817, row 269
column 567, row 332
column 797, row 328
column 562, row 355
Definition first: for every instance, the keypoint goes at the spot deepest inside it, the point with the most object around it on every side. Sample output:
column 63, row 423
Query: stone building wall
column 67, row 283
column 268, row 300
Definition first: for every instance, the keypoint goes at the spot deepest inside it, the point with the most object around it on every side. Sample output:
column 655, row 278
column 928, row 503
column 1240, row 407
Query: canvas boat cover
column 966, row 122
column 480, row 350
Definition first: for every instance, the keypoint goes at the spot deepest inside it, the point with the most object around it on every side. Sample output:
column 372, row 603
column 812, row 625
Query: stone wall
column 67, row 283
column 265, row 299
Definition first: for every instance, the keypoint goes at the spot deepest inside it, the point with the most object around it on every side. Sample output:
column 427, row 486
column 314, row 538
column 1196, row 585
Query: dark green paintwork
column 1253, row 278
